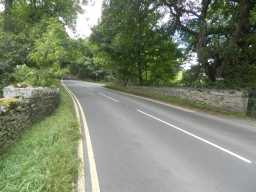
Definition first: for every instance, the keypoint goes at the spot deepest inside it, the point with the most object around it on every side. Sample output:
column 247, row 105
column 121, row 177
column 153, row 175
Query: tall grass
column 45, row 158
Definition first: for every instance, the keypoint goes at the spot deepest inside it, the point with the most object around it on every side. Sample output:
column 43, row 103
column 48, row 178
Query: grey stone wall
column 228, row 100
column 251, row 110
column 31, row 104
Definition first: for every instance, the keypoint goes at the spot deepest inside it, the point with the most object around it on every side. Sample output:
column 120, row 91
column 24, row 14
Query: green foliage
column 134, row 41
column 132, row 44
column 33, row 33
column 222, row 33
column 51, row 47
column 37, row 77
column 84, row 61
column 194, row 77
column 45, row 158
column 13, row 51
column 19, row 13
column 253, row 16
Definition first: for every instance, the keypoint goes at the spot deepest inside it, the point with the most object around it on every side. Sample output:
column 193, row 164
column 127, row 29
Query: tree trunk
column 202, row 51
column 140, row 73
column 243, row 25
column 8, row 24
column 212, row 72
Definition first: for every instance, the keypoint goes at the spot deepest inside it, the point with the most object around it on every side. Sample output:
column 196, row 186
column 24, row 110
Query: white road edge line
column 197, row 137
column 108, row 97
column 93, row 169
column 92, row 164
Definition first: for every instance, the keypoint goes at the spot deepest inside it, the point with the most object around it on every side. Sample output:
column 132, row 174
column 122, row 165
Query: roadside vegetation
column 147, row 43
column 154, row 43
column 35, row 50
column 45, row 157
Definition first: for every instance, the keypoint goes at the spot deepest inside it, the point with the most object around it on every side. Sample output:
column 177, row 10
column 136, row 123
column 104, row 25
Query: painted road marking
column 108, row 97
column 93, row 169
column 197, row 137
column 156, row 101
column 92, row 164
column 81, row 172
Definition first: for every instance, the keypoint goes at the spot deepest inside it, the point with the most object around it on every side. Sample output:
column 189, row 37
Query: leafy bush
column 37, row 77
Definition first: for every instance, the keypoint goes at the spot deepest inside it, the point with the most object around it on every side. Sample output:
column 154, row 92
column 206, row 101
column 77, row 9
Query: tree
column 8, row 23
column 82, row 60
column 221, row 34
column 50, row 49
column 135, row 43
column 33, row 33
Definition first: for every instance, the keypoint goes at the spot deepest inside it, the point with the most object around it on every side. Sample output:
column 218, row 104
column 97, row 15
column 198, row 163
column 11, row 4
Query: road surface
column 142, row 146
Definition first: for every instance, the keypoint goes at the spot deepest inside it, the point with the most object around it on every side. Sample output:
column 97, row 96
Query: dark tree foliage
column 139, row 51
column 81, row 62
column 222, row 33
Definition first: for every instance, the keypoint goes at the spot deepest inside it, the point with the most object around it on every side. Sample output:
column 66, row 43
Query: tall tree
column 218, row 31
column 8, row 23
column 25, row 25
column 135, row 42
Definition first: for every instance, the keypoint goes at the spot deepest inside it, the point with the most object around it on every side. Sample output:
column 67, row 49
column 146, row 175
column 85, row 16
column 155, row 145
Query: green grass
column 200, row 106
column 45, row 157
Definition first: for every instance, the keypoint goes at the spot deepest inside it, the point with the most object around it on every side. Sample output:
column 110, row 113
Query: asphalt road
column 142, row 146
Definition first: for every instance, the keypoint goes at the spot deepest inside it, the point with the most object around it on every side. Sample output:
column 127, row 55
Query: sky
column 88, row 19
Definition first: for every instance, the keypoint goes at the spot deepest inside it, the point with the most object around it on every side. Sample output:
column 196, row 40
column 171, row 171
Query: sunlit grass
column 45, row 158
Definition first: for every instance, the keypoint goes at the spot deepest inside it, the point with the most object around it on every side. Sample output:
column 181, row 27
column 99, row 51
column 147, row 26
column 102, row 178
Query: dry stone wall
column 29, row 105
column 228, row 100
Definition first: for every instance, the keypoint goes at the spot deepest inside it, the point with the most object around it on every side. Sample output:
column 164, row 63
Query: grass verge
column 197, row 106
column 45, row 158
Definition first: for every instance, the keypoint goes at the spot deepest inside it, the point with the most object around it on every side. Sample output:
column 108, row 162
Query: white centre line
column 155, row 101
column 108, row 97
column 197, row 137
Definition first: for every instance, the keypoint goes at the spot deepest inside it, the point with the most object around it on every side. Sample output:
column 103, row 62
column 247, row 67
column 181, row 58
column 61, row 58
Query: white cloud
column 88, row 19
column 1, row 7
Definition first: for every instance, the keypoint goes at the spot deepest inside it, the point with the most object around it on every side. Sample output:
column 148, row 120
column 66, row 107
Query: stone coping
column 29, row 92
